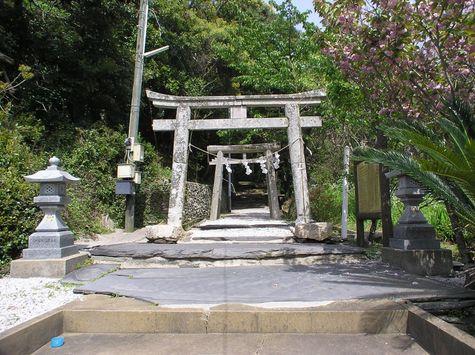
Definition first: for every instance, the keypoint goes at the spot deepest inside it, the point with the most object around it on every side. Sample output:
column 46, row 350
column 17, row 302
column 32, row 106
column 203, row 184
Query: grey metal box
column 124, row 187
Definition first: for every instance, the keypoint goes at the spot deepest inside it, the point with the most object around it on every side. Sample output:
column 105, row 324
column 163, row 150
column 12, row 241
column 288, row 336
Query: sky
column 304, row 5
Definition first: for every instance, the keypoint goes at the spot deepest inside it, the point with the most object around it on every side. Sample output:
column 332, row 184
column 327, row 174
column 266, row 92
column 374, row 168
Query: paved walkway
column 291, row 286
column 203, row 274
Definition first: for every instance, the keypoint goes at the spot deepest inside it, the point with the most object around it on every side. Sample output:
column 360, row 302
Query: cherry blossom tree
column 409, row 57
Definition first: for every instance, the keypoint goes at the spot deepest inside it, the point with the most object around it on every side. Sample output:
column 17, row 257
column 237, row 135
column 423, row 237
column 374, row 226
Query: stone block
column 414, row 244
column 421, row 262
column 28, row 337
column 163, row 234
column 49, row 253
column 315, row 230
column 57, row 267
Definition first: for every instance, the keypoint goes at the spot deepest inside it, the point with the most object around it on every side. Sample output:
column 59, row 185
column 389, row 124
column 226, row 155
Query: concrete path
column 236, row 344
column 272, row 285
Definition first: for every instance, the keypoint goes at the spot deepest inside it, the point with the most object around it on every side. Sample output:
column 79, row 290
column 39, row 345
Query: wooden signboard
column 372, row 199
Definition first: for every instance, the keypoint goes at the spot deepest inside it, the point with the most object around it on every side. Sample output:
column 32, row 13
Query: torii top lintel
column 274, row 100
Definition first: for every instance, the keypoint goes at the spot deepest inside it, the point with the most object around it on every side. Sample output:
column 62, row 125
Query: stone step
column 102, row 314
column 245, row 235
column 104, row 324
column 211, row 226
column 241, row 239
column 224, row 254
column 235, row 343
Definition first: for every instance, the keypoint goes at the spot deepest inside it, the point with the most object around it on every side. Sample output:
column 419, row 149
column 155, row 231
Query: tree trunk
column 458, row 232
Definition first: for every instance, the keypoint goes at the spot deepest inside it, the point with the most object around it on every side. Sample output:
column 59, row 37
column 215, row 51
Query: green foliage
column 269, row 53
column 18, row 215
column 93, row 158
column 80, row 54
column 446, row 167
column 152, row 196
column 325, row 203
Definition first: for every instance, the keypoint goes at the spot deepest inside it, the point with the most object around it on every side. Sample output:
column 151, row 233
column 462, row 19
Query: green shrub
column 152, row 195
column 93, row 157
column 18, row 214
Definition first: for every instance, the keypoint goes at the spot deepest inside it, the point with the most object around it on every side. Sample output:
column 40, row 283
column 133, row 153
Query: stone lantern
column 414, row 246
column 51, row 251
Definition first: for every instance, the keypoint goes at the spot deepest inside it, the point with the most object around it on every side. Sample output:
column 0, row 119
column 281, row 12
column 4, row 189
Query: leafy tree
column 406, row 56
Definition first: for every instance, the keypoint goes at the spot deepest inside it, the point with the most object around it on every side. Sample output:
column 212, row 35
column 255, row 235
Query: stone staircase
column 243, row 238
column 242, row 226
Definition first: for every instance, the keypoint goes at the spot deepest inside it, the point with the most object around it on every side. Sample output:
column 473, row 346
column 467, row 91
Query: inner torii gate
column 237, row 106
column 219, row 161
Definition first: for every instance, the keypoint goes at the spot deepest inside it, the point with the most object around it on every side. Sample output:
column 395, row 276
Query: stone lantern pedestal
column 51, row 251
column 414, row 246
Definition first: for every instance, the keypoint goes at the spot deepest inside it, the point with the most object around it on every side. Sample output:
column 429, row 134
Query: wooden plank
column 243, row 148
column 236, row 123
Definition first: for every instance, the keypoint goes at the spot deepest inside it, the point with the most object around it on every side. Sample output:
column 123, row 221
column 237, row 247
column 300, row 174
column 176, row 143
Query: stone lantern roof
column 52, row 173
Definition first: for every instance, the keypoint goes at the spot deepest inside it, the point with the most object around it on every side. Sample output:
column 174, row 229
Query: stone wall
column 197, row 203
column 152, row 203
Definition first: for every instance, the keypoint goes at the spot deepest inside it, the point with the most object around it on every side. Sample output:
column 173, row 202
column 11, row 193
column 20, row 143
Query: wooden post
column 180, row 166
column 217, row 188
column 297, row 161
column 360, row 237
column 135, row 102
column 272, row 193
column 344, row 204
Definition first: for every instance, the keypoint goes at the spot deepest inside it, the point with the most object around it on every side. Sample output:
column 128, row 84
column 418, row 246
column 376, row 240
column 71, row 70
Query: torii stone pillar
column 180, row 166
column 297, row 161
column 217, row 188
column 272, row 193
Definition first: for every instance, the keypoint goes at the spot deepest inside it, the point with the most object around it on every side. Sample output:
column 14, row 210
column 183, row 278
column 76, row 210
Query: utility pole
column 140, row 54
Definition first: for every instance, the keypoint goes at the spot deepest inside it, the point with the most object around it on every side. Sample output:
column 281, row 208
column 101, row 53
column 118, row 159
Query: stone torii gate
column 268, row 149
column 238, row 119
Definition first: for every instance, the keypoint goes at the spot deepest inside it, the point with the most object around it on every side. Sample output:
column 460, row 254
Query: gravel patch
column 23, row 299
